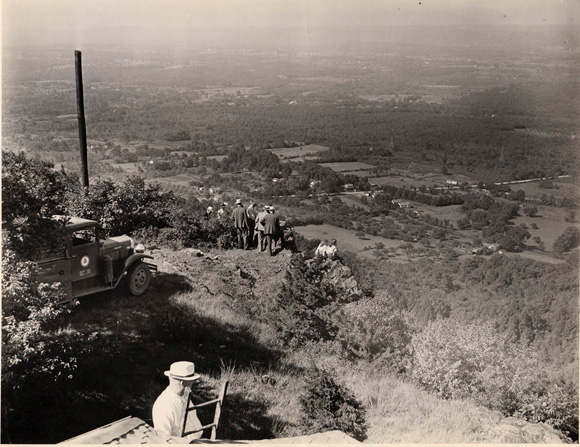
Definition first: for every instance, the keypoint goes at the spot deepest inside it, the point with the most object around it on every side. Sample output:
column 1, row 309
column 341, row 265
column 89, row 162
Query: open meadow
column 346, row 239
column 299, row 152
column 347, row 166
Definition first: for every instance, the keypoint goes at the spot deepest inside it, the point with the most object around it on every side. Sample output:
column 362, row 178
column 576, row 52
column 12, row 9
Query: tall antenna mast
column 81, row 119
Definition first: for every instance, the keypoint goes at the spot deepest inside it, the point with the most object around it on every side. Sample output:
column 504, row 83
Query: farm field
column 300, row 151
column 352, row 200
column 401, row 181
column 346, row 239
column 359, row 173
column 560, row 190
column 129, row 168
column 301, row 158
column 537, row 256
column 550, row 222
column 216, row 157
column 428, row 180
column 182, row 179
column 347, row 166
column 451, row 212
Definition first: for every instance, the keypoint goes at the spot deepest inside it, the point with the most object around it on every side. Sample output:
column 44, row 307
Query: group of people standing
column 256, row 228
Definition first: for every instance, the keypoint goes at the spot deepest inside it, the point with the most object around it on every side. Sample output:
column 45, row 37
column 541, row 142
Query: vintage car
column 86, row 264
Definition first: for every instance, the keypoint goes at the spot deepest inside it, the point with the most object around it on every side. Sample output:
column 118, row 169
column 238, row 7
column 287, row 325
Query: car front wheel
column 138, row 278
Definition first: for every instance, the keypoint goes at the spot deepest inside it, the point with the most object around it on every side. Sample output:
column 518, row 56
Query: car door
column 84, row 254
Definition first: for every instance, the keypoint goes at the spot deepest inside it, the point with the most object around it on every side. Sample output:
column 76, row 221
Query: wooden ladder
column 189, row 406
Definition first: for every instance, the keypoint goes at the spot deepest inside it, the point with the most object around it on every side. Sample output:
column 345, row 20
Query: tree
column 569, row 239
column 530, row 211
column 307, row 303
column 121, row 208
column 330, row 406
column 32, row 192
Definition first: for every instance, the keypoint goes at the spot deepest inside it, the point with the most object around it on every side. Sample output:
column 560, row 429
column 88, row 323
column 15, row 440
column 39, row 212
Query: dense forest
column 514, row 125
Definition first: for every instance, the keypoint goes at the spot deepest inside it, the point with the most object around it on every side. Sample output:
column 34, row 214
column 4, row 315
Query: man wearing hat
column 271, row 225
column 168, row 408
column 260, row 228
column 241, row 224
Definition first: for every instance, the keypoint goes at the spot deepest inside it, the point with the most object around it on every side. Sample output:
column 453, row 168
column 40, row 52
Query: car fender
column 129, row 262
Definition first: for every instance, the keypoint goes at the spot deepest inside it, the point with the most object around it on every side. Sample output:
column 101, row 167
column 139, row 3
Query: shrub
column 330, row 406
column 306, row 304
column 122, row 208
column 530, row 211
column 31, row 317
column 569, row 239
column 459, row 361
column 376, row 330
column 306, row 246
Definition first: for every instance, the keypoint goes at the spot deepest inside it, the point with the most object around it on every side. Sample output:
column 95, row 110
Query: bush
column 330, row 406
column 569, row 239
column 376, row 330
column 306, row 246
column 459, row 361
column 306, row 304
column 122, row 208
column 32, row 347
column 530, row 211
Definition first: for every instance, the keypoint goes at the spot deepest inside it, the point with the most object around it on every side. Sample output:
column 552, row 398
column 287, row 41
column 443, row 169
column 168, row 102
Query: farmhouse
column 486, row 249
column 452, row 182
column 348, row 187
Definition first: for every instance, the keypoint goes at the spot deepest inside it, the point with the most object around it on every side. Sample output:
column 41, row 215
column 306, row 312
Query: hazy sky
column 82, row 17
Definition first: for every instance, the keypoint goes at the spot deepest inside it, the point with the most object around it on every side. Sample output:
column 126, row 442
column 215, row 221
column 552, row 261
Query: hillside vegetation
column 456, row 351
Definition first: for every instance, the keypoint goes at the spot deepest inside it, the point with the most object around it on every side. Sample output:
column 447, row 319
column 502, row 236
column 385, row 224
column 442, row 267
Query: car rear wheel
column 138, row 278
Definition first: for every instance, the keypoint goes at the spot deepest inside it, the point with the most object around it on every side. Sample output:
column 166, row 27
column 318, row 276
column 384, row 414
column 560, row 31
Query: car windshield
column 84, row 236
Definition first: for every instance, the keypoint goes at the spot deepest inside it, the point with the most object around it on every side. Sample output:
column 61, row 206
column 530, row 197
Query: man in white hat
column 168, row 408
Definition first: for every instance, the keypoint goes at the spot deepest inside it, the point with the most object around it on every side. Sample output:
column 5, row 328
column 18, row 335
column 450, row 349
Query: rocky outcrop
column 341, row 278
column 494, row 426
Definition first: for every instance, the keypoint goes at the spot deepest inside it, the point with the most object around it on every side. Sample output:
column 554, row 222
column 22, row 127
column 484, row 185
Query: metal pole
column 81, row 119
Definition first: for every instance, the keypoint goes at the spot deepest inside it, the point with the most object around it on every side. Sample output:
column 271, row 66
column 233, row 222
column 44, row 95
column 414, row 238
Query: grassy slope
column 192, row 312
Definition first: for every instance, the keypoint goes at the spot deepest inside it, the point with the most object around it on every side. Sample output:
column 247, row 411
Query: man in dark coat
column 251, row 214
column 241, row 224
column 259, row 228
column 271, row 225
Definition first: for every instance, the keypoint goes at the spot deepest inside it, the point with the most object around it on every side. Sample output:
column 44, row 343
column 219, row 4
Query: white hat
column 238, row 201
column 266, row 207
column 271, row 208
column 182, row 371
column 210, row 208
